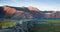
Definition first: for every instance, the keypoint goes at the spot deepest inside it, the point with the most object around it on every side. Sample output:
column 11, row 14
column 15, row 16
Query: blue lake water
column 29, row 18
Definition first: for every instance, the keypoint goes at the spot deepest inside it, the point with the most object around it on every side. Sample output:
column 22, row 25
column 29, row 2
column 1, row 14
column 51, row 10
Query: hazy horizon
column 40, row 4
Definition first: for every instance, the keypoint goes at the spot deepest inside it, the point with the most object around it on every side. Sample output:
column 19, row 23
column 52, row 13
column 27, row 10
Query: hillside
column 26, row 12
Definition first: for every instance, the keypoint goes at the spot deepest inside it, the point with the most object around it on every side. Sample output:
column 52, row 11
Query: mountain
column 9, row 10
column 33, row 9
column 26, row 12
column 20, row 12
column 55, row 14
column 52, row 14
column 2, row 12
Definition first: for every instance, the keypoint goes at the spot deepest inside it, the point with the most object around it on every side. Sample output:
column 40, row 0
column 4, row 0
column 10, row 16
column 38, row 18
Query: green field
column 52, row 21
column 52, row 26
column 7, row 23
column 45, row 26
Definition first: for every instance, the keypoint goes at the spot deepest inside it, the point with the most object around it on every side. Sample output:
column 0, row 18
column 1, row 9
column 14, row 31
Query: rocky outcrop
column 22, row 26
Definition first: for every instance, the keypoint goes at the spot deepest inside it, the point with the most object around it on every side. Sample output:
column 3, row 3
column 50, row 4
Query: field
column 46, row 26
column 42, row 26
column 7, row 23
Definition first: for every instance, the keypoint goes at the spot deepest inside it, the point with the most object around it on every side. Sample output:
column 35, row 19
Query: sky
column 40, row 4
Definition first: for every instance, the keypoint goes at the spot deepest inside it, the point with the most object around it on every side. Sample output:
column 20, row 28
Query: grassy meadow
column 7, row 22
column 51, row 26
column 43, row 26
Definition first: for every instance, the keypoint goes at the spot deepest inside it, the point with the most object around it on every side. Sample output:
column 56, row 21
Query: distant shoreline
column 29, row 18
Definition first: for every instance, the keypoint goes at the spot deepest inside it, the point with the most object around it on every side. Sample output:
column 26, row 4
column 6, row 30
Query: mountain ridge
column 26, row 12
